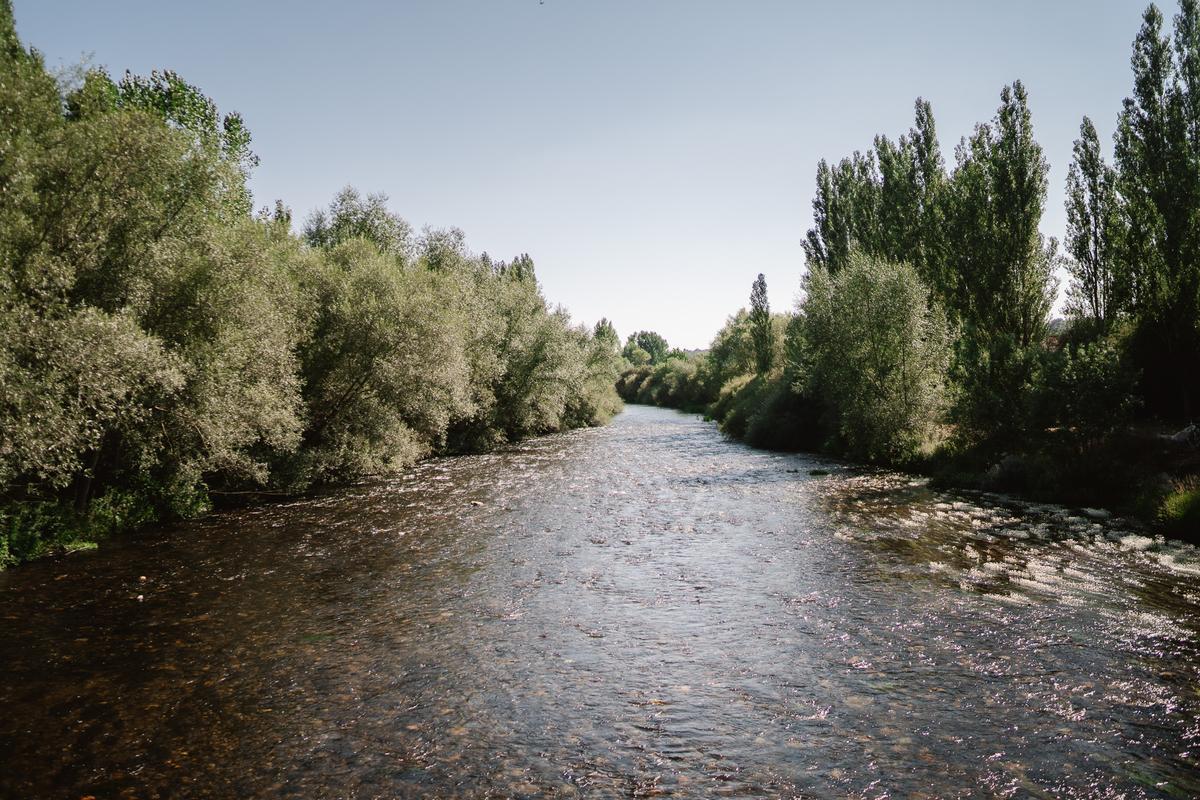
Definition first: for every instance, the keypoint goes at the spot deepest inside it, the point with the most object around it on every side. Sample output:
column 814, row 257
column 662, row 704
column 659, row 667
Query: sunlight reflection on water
column 640, row 610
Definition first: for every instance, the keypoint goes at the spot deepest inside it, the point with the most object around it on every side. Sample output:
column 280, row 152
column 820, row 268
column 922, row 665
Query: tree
column 845, row 211
column 519, row 269
column 445, row 250
column 730, row 355
column 929, row 179
column 1093, row 220
column 185, row 108
column 760, row 322
column 1002, row 271
column 875, row 355
column 651, row 343
column 886, row 203
column 595, row 398
column 352, row 216
column 605, row 333
column 140, row 303
column 1157, row 157
column 635, row 355
column 912, row 184
column 158, row 344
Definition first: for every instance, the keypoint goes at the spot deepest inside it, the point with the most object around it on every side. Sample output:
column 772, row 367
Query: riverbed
column 640, row 610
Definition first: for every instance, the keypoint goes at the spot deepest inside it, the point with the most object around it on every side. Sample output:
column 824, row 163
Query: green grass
column 1179, row 512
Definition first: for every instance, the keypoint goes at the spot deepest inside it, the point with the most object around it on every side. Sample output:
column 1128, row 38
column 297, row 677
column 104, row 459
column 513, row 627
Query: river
column 639, row 610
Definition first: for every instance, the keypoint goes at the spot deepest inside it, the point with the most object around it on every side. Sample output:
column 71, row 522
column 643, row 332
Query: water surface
column 639, row 610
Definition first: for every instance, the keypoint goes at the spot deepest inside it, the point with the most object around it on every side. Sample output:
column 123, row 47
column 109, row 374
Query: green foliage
column 66, row 382
column 648, row 342
column 352, row 216
column 731, row 353
column 225, row 140
column 1157, row 157
column 605, row 335
column 766, row 412
column 1099, row 287
column 695, row 382
column 845, row 210
column 32, row 529
column 635, row 355
column 875, row 354
column 760, row 326
column 1004, row 270
column 673, row 384
column 597, row 401
column 1088, row 389
column 1004, row 285
column 737, row 402
column 972, row 367
column 382, row 363
column 29, row 530
column 887, row 203
column 992, row 380
column 158, row 345
column 779, row 418
column 1179, row 511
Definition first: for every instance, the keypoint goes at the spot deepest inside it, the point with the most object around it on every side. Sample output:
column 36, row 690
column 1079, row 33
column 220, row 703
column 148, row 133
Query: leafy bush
column 1088, row 388
column 1179, row 512
column 875, row 355
column 158, row 344
column 675, row 383
column 740, row 398
column 783, row 419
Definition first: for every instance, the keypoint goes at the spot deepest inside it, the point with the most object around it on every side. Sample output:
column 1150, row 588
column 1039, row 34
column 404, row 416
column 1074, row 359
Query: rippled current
column 639, row 610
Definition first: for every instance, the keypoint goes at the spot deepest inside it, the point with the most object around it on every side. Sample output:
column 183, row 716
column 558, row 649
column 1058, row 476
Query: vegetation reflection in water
column 644, row 609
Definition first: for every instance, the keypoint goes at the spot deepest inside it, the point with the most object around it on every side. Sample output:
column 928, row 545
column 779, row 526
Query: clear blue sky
column 652, row 156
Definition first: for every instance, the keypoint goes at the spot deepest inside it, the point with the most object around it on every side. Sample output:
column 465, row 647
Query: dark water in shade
column 634, row 611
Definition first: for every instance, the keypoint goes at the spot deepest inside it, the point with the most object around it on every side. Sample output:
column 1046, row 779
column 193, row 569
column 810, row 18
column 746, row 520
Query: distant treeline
column 924, row 339
column 160, row 345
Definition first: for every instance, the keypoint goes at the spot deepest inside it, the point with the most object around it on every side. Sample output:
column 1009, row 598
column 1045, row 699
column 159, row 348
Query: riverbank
column 31, row 531
column 162, row 344
column 1138, row 471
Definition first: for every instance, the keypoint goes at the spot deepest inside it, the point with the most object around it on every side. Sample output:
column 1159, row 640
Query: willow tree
column 874, row 356
column 353, row 216
column 147, row 324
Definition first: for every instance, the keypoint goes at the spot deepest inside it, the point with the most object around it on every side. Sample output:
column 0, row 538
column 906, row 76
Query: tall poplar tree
column 1003, row 267
column 1157, row 158
column 760, row 326
column 1003, row 283
column 845, row 211
column 1097, row 291
column 885, row 203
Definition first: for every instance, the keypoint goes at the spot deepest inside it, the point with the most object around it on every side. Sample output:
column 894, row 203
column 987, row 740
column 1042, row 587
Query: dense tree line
column 924, row 334
column 160, row 346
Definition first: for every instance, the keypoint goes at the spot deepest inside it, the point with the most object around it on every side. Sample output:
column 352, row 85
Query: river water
column 638, row 610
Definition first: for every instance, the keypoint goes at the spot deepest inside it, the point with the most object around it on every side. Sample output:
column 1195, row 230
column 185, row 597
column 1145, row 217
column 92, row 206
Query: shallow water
column 638, row 610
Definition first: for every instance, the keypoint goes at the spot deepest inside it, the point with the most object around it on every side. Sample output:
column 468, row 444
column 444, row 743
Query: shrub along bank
column 923, row 338
column 162, row 346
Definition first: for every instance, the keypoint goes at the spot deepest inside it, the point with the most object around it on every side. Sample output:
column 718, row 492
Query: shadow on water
column 640, row 610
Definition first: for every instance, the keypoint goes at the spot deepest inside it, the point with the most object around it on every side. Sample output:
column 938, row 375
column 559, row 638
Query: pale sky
column 653, row 156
